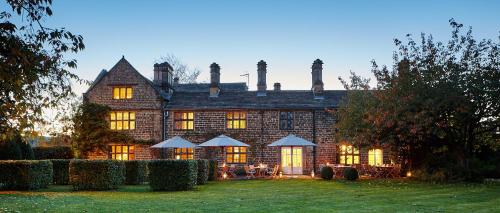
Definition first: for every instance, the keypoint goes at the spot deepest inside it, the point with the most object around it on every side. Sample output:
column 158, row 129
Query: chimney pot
column 162, row 75
column 277, row 86
column 261, row 75
column 214, row 80
column 317, row 76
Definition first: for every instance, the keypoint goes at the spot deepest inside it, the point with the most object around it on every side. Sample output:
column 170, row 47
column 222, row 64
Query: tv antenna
column 248, row 78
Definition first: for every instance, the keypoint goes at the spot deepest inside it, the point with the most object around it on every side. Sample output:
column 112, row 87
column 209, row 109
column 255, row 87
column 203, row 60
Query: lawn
column 266, row 196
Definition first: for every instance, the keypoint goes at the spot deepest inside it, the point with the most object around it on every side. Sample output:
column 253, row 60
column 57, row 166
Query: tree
column 439, row 102
column 34, row 74
column 181, row 70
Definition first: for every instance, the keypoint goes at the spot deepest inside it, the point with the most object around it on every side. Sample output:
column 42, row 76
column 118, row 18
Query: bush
column 61, row 171
column 15, row 148
column 135, row 171
column 172, row 175
column 326, row 173
column 202, row 176
column 240, row 171
column 212, row 172
column 351, row 173
column 53, row 152
column 25, row 174
column 96, row 174
column 26, row 151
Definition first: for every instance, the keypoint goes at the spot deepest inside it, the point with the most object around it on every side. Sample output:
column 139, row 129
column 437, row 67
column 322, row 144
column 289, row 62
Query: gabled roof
column 203, row 87
column 284, row 99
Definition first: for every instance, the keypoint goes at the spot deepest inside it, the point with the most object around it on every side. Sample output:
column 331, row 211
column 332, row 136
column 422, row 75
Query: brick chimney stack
column 214, row 80
column 317, row 76
column 261, row 81
column 162, row 75
column 176, row 81
column 277, row 87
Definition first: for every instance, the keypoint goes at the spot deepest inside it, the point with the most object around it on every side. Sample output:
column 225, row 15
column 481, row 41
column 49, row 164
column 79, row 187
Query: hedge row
column 212, row 170
column 202, row 176
column 135, row 172
column 61, row 171
column 96, row 174
column 53, row 152
column 172, row 175
column 25, row 174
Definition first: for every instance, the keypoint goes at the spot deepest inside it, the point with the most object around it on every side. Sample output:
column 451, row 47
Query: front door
column 291, row 160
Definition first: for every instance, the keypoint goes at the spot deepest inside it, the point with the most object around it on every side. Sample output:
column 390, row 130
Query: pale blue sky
column 289, row 35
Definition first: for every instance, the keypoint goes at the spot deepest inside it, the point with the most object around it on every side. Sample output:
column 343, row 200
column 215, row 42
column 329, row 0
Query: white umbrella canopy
column 221, row 141
column 175, row 142
column 292, row 140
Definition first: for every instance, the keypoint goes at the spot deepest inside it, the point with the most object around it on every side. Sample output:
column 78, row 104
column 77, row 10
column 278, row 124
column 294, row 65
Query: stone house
column 156, row 110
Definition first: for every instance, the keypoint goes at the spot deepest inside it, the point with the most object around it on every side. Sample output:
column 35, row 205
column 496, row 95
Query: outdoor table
column 338, row 169
column 260, row 170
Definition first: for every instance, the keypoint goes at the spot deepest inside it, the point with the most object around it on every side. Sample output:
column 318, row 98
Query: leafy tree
column 34, row 74
column 90, row 130
column 181, row 69
column 438, row 104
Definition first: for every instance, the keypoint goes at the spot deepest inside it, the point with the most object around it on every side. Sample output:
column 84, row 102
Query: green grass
column 266, row 196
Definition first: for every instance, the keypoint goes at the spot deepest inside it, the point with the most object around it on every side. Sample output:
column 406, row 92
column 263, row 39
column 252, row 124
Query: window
column 184, row 120
column 236, row 154
column 349, row 155
column 184, row 153
column 236, row 120
column 122, row 120
column 286, row 120
column 122, row 152
column 122, row 93
column 375, row 157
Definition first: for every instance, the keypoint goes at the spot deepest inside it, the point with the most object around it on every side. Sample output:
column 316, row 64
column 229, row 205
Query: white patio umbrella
column 291, row 141
column 175, row 142
column 223, row 141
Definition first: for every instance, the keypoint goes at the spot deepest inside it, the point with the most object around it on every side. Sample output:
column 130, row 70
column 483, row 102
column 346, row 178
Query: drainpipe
column 314, row 139
column 261, row 135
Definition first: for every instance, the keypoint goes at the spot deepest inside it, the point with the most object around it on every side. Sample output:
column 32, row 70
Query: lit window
column 122, row 92
column 122, row 120
column 375, row 157
column 236, row 154
column 236, row 120
column 184, row 153
column 286, row 120
column 184, row 120
column 122, row 152
column 348, row 155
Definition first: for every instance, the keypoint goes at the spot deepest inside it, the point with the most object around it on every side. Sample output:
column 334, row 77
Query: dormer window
column 122, row 93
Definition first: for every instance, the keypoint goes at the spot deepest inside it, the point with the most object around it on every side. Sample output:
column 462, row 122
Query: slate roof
column 285, row 99
column 203, row 87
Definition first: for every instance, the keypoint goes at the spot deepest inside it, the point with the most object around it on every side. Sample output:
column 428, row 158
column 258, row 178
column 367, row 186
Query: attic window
column 122, row 93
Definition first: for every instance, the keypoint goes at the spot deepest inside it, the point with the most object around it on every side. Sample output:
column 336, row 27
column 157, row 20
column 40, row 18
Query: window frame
column 113, row 152
column 128, row 121
column 289, row 120
column 354, row 154
column 230, row 151
column 128, row 91
column 373, row 152
column 184, row 153
column 239, row 120
column 181, row 119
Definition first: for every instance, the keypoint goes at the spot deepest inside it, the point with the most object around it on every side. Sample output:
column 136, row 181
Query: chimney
column 163, row 75
column 176, row 81
column 214, row 80
column 277, row 87
column 317, row 73
column 261, row 81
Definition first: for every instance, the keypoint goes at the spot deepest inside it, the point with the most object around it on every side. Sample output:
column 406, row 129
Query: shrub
column 25, row 174
column 326, row 173
column 15, row 148
column 53, row 152
column 202, row 176
column 96, row 174
column 61, row 171
column 212, row 172
column 172, row 175
column 240, row 171
column 351, row 173
column 135, row 172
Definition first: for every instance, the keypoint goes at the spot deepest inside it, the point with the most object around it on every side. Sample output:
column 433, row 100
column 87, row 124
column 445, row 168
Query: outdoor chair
column 232, row 171
column 274, row 172
column 250, row 172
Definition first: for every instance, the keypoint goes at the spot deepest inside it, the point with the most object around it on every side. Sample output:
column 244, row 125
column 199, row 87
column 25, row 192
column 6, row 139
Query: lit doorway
column 291, row 160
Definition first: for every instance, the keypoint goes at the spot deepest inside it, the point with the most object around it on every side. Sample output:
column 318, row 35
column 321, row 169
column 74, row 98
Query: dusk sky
column 288, row 35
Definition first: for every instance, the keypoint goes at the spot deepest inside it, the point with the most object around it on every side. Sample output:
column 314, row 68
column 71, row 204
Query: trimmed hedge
column 25, row 174
column 212, row 170
column 351, row 173
column 202, row 172
column 327, row 173
column 135, row 171
column 61, row 171
column 53, row 152
column 172, row 175
column 96, row 174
